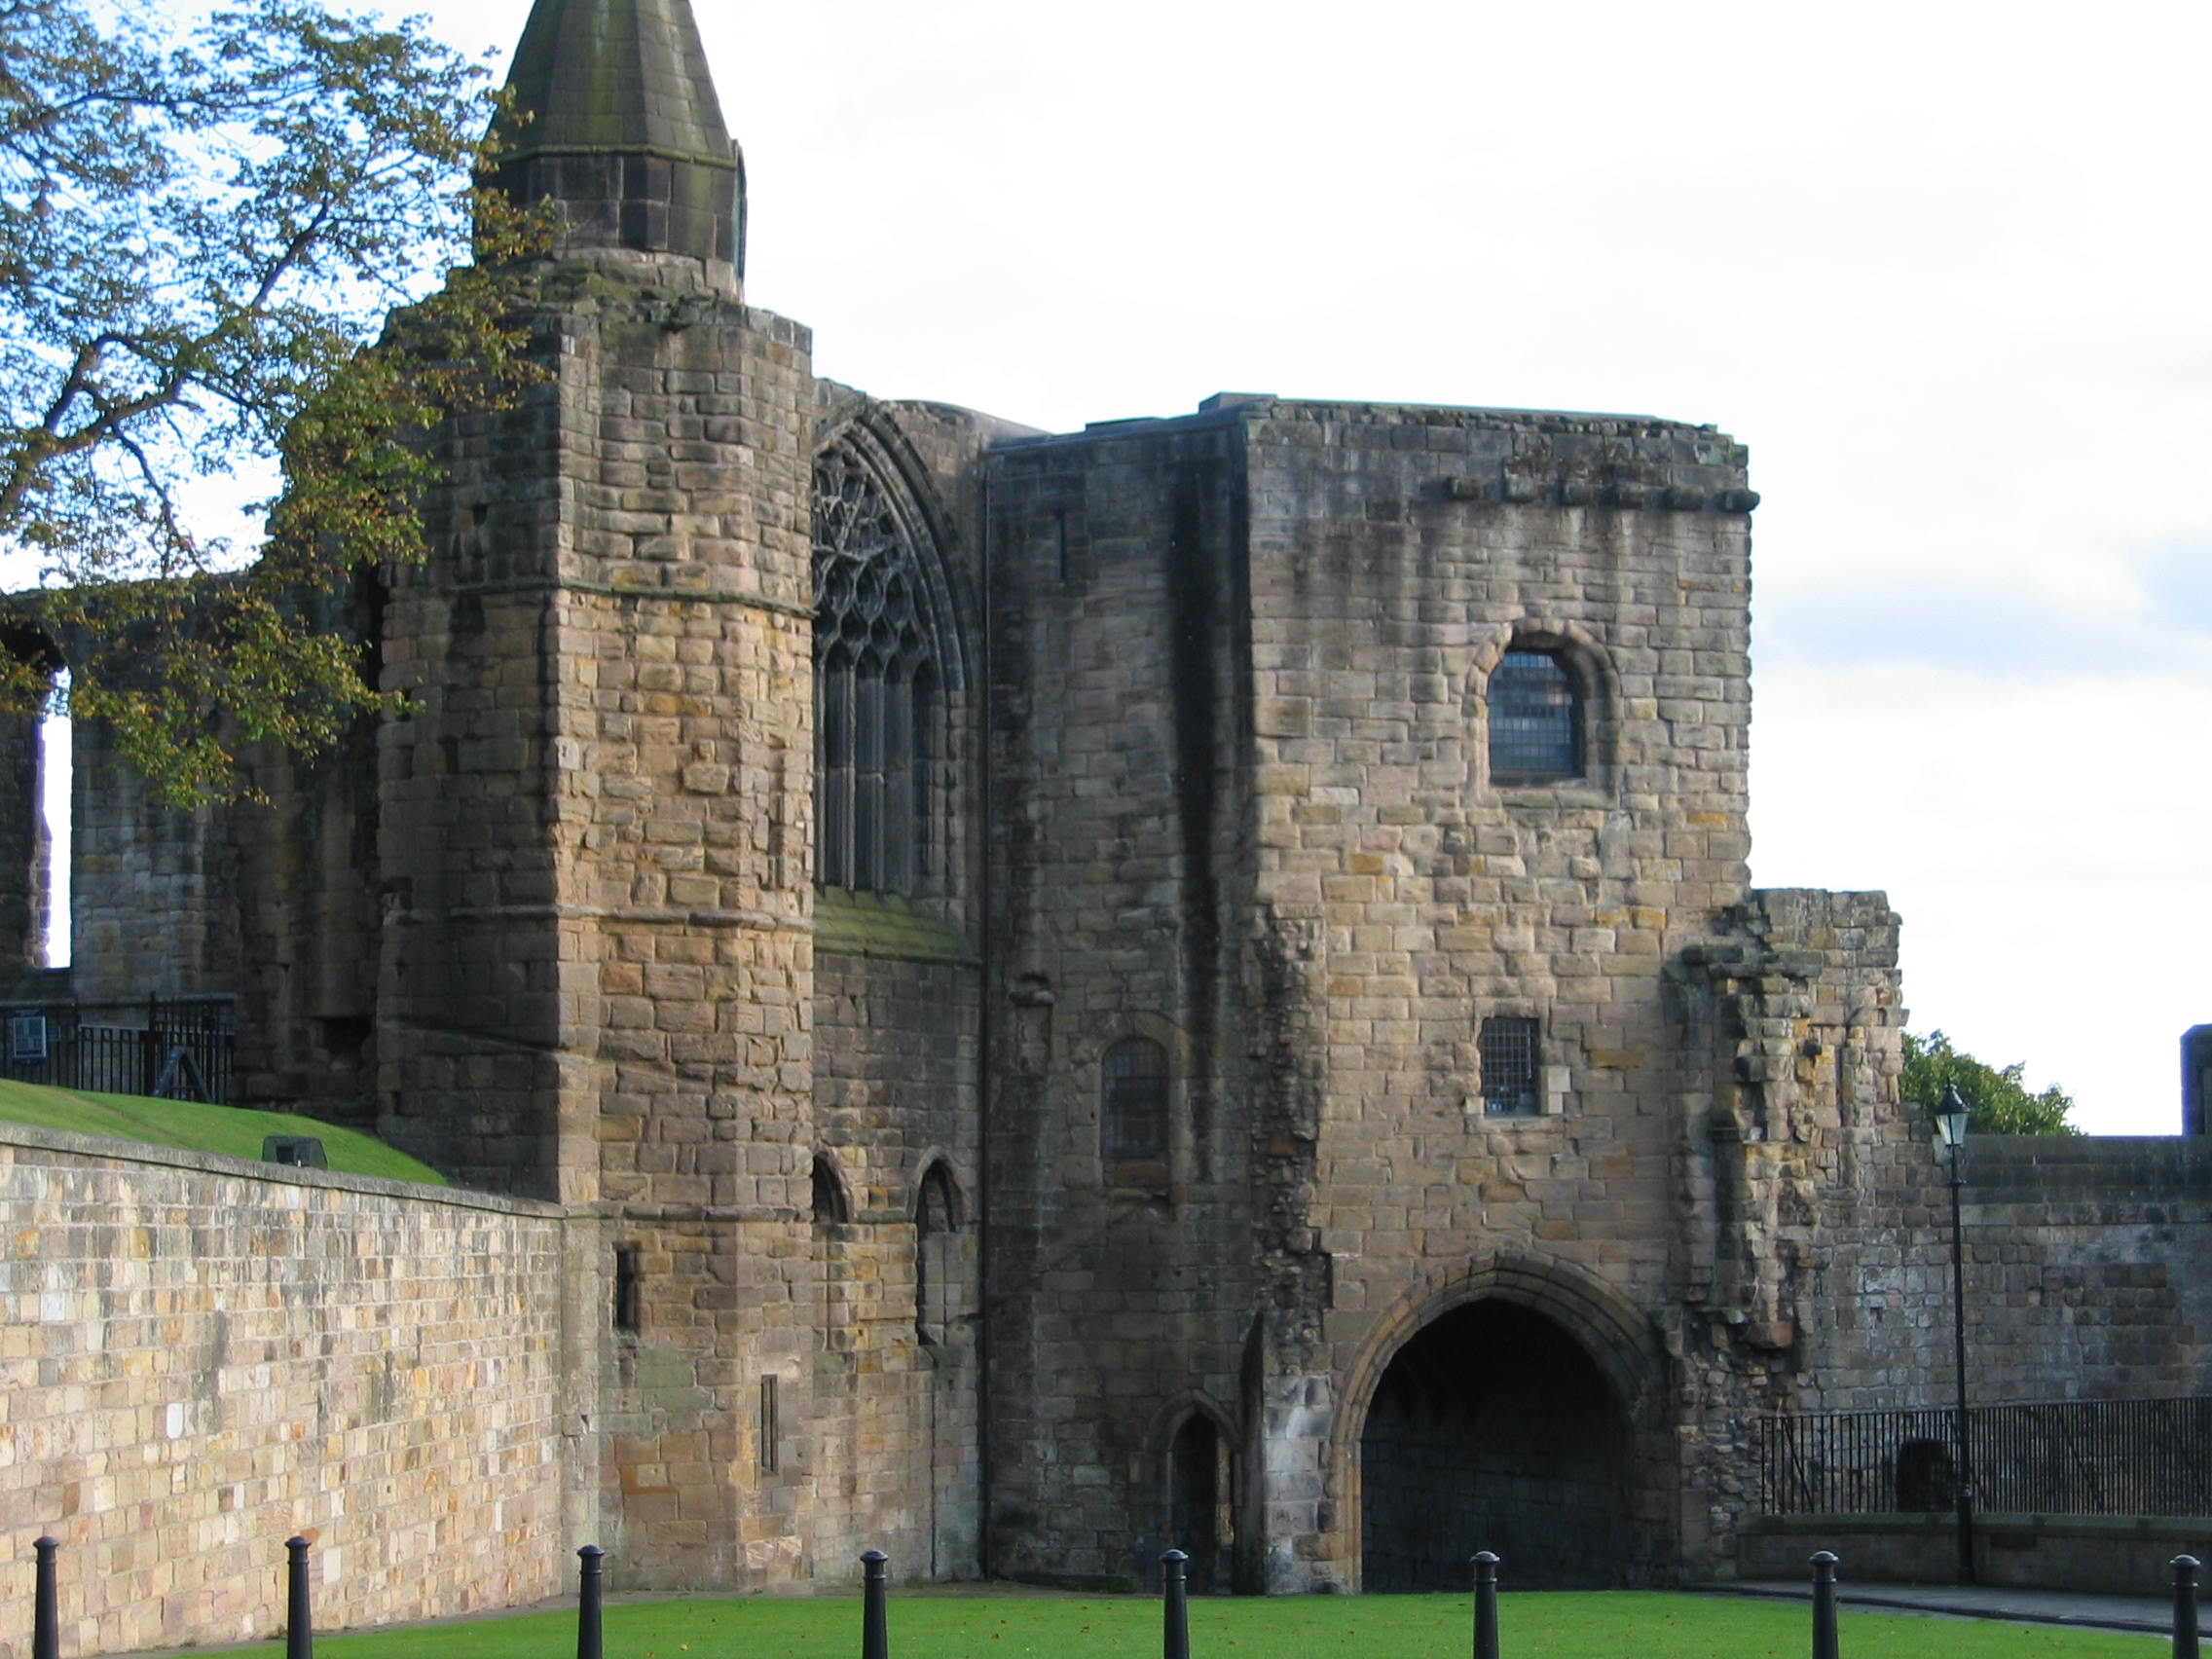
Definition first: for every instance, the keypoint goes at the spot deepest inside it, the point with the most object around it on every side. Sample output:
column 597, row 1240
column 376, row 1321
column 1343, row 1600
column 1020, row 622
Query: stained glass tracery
column 875, row 677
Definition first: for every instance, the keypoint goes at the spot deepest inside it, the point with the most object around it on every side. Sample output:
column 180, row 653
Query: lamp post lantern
column 1951, row 1132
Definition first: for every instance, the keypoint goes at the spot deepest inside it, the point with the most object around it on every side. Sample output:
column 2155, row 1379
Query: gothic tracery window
column 876, row 686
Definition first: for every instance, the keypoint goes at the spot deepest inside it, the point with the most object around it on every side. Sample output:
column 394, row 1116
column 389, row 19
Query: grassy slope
column 1561, row 1625
column 231, row 1130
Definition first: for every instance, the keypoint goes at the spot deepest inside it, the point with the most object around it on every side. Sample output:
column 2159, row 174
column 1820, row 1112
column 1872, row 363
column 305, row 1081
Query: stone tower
column 597, row 974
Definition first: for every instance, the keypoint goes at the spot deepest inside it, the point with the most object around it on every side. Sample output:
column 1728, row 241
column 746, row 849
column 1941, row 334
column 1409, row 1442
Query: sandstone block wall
column 25, row 898
column 1241, row 661
column 1116, row 1300
column 202, row 1357
column 1396, row 555
column 2078, row 1280
column 148, row 910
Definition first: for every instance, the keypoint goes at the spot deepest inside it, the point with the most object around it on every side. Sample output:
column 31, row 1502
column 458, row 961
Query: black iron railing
column 183, row 1053
column 2066, row 1457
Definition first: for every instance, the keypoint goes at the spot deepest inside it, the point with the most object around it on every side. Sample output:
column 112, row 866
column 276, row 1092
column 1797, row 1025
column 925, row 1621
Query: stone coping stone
column 2177, row 1528
column 108, row 1149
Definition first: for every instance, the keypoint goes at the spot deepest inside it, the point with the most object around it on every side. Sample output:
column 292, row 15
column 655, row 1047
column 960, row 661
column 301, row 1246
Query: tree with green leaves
column 1998, row 1101
column 201, row 233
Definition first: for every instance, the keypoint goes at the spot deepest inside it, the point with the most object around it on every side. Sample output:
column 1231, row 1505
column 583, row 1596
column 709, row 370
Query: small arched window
column 1536, row 719
column 1132, row 1115
column 831, row 1208
column 878, row 714
column 935, row 1221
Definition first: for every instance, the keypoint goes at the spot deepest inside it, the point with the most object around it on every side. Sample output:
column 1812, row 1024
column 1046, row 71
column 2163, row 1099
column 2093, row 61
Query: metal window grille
column 27, row 1037
column 1508, row 1052
column 1534, row 720
column 876, row 685
column 1134, row 1109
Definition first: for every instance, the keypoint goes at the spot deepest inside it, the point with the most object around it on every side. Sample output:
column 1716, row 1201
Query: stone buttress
column 597, row 962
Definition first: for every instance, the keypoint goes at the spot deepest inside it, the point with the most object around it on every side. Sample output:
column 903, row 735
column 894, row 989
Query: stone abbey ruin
column 1017, row 999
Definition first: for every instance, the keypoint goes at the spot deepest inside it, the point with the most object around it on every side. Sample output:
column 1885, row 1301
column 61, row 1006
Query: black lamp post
column 1951, row 1132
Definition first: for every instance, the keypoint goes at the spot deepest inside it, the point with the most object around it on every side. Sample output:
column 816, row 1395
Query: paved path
column 2149, row 1614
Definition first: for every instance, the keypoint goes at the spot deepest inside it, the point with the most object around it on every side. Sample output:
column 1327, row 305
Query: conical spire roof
column 614, row 115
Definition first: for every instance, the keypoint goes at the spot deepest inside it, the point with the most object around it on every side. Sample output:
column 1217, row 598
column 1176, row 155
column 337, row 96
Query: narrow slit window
column 769, row 1457
column 934, row 1227
column 628, row 1303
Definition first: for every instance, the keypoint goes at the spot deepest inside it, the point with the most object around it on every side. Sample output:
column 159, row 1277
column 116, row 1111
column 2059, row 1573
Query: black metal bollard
column 1825, row 1565
column 46, row 1605
column 875, row 1630
column 299, row 1623
column 2185, row 1605
column 1174, row 1607
column 587, row 1602
column 1485, row 1606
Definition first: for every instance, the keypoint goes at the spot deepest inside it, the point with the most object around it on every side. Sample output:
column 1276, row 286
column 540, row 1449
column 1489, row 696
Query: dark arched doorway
column 1197, row 1502
column 1492, row 1429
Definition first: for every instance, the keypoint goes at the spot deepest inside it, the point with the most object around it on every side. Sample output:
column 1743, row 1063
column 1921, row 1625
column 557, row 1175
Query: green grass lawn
column 1532, row 1625
column 231, row 1130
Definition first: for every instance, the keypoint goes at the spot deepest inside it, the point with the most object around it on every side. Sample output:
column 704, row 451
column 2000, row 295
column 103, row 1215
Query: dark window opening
column 1926, row 1481
column 770, row 1455
column 1133, row 1113
column 1509, row 1063
column 345, row 1038
column 879, row 719
column 831, row 1208
column 629, row 1309
column 1535, row 724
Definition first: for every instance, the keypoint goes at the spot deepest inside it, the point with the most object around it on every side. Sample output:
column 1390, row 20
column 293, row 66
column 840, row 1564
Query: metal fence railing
column 2066, row 1457
column 184, row 1052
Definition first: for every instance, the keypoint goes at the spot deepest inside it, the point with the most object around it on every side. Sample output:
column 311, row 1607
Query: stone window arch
column 880, row 662
column 1547, row 706
column 1535, row 718
column 936, row 1226
column 832, row 1205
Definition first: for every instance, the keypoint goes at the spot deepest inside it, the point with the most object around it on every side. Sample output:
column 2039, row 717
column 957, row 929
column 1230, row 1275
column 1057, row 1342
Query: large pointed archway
column 1493, row 1429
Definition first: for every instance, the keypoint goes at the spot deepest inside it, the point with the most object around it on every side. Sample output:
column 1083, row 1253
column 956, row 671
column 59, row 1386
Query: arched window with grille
column 1132, row 1115
column 1536, row 719
column 877, row 683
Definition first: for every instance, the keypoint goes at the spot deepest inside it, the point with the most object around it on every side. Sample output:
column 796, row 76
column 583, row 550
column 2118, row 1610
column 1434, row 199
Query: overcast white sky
column 1942, row 267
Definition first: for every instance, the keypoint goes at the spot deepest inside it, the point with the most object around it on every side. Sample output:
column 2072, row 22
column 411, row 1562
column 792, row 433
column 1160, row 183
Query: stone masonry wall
column 147, row 915
column 25, row 899
column 1396, row 555
column 896, row 1453
column 201, row 1356
column 1118, row 1300
column 625, row 866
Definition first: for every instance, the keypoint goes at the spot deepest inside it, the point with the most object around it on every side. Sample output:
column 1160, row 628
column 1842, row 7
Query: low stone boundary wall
column 2092, row 1554
column 201, row 1355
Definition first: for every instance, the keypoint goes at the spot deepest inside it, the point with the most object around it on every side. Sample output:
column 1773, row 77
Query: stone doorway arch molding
column 1622, row 1342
